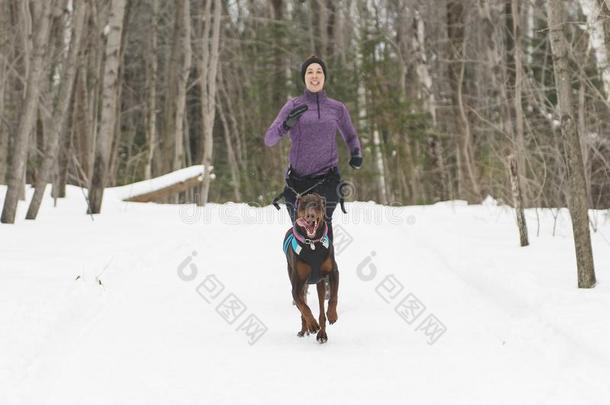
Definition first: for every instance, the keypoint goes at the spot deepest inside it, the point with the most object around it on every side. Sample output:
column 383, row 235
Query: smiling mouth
column 310, row 226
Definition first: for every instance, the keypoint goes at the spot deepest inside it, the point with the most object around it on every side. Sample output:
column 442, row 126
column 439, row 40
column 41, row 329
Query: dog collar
column 307, row 241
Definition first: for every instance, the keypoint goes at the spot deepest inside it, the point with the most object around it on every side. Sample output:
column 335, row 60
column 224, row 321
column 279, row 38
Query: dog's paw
column 321, row 337
column 313, row 326
column 303, row 333
column 331, row 314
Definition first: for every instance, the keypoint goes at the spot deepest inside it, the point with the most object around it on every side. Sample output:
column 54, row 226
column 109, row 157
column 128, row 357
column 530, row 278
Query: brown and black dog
column 311, row 260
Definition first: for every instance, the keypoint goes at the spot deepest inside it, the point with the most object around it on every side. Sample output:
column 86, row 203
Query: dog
column 310, row 259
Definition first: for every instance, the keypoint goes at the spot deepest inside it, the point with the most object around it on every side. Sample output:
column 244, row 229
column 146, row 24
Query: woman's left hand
column 356, row 161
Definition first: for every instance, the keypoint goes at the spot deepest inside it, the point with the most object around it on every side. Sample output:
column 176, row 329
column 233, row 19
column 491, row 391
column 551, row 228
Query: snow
column 113, row 310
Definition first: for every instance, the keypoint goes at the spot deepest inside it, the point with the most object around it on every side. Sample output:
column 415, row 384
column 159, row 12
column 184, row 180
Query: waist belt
column 320, row 179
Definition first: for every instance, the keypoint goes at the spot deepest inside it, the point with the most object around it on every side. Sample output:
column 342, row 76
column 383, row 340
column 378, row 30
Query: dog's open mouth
column 310, row 226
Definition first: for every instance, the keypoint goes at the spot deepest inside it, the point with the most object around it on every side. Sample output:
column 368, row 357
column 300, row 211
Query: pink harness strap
column 301, row 239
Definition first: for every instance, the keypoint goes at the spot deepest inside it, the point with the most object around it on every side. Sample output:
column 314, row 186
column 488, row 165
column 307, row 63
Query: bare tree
column 151, row 77
column 105, row 134
column 517, row 163
column 468, row 185
column 577, row 196
column 208, row 68
column 178, row 74
column 60, row 110
column 28, row 115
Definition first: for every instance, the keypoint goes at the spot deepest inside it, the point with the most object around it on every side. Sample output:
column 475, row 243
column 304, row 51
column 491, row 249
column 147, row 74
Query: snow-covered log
column 160, row 187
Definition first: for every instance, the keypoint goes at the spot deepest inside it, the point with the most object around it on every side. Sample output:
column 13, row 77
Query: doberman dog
column 311, row 260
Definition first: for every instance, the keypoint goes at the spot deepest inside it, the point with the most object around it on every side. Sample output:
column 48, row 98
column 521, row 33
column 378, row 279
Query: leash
column 298, row 195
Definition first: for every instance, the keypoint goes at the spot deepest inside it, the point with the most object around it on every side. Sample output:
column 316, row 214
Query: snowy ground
column 114, row 311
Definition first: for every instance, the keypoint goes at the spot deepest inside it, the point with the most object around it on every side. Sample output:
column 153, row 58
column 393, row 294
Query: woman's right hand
column 293, row 116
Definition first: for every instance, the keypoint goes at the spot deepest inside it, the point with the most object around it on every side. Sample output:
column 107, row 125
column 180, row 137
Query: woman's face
column 314, row 78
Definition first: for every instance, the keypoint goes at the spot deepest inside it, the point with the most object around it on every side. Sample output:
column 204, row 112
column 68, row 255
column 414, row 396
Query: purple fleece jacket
column 314, row 146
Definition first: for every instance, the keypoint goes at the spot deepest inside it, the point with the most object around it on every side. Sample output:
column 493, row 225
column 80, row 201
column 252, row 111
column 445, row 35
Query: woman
column 312, row 121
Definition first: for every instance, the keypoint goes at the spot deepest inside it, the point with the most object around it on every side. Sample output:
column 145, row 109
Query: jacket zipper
column 318, row 103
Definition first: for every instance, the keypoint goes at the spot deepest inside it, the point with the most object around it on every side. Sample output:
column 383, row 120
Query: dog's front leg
column 298, row 294
column 333, row 280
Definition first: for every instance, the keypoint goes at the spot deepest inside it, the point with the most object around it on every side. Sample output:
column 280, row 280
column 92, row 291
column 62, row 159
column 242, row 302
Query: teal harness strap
column 292, row 241
column 312, row 257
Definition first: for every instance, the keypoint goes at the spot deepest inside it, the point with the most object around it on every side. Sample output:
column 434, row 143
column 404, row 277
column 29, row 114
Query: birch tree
column 105, row 134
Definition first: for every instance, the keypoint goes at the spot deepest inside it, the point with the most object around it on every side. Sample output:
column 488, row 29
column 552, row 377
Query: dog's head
column 311, row 209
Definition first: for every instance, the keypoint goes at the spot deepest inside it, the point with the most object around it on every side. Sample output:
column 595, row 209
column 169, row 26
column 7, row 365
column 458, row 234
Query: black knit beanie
column 309, row 61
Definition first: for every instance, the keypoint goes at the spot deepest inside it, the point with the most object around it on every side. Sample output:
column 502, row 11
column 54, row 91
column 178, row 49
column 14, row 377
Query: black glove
column 356, row 161
column 293, row 116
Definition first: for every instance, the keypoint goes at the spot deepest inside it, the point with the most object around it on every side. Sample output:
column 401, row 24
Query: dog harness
column 311, row 251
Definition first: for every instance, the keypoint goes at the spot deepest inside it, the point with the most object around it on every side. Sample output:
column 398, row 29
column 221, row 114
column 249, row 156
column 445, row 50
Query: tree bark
column 151, row 79
column 231, row 157
column 519, row 138
column 208, row 69
column 468, row 186
column 60, row 111
column 27, row 119
column 577, row 199
column 3, row 129
column 518, row 201
column 181, row 66
column 105, row 134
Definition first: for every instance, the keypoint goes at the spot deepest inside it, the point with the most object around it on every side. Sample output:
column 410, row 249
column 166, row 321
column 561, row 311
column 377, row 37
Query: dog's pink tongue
column 310, row 229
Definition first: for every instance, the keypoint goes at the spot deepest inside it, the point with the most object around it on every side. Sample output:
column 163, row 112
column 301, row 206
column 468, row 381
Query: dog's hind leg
column 322, row 337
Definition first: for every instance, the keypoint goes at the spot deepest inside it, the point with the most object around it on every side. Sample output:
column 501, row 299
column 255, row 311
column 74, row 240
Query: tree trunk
column 3, row 131
column 381, row 176
column 577, row 200
column 28, row 115
column 519, row 138
column 5, row 23
column 60, row 111
column 232, row 159
column 104, row 138
column 182, row 47
column 151, row 79
column 208, row 69
column 468, row 186
column 518, row 201
column 81, row 122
